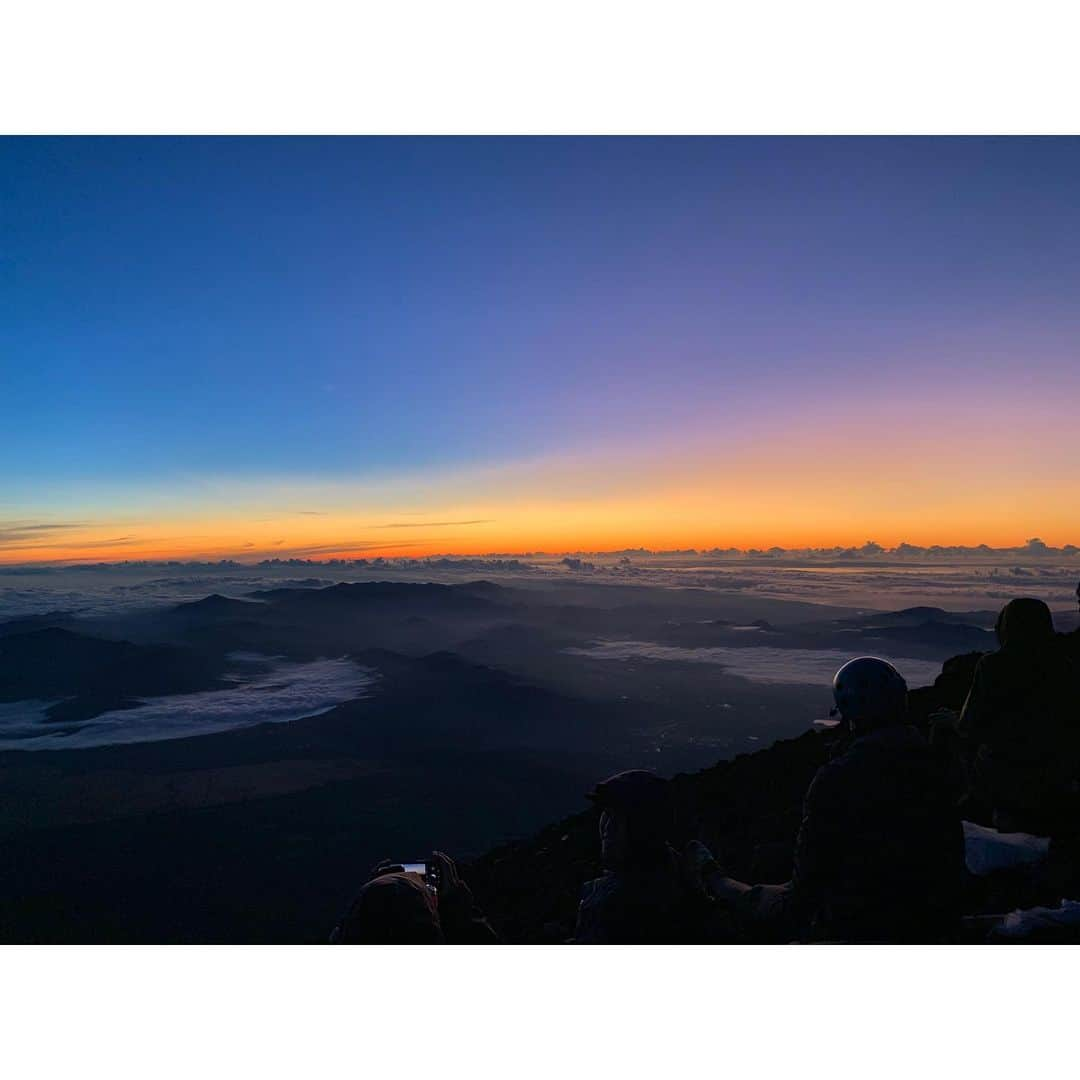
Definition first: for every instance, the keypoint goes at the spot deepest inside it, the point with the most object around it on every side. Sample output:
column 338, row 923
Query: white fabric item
column 987, row 850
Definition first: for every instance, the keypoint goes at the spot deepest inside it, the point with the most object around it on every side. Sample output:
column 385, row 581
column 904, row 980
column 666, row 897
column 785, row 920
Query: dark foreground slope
column 746, row 810
column 262, row 834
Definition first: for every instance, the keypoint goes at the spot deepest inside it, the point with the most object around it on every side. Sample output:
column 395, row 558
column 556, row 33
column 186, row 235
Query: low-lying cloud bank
column 811, row 667
column 288, row 692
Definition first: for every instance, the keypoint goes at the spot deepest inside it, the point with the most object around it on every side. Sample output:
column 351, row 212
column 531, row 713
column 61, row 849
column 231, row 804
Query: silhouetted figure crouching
column 880, row 852
column 397, row 907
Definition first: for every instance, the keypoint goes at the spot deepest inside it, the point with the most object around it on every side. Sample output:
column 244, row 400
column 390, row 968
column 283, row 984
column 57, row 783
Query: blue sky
column 332, row 308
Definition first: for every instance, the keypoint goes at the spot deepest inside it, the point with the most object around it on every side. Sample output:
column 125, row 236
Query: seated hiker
column 642, row 898
column 397, row 907
column 880, row 853
column 1020, row 725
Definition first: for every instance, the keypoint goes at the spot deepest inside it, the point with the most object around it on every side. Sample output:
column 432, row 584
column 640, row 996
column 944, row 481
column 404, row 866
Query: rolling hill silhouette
column 94, row 675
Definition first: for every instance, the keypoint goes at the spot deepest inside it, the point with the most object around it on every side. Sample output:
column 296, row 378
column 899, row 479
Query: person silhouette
column 642, row 898
column 880, row 852
column 1020, row 724
column 399, row 907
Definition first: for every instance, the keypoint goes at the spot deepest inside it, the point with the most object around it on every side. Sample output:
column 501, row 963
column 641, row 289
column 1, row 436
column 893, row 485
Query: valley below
column 227, row 768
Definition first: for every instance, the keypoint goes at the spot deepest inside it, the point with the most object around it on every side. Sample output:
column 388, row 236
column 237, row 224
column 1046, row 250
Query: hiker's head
column 870, row 693
column 1024, row 622
column 636, row 817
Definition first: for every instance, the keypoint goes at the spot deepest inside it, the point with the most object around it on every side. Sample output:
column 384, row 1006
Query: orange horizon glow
column 809, row 485
column 220, row 540
column 690, row 521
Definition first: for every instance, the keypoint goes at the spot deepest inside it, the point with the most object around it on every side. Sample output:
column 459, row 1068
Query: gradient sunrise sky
column 242, row 347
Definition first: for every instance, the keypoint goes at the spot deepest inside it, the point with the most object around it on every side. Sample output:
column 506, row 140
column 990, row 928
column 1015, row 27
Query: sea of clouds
column 289, row 691
column 763, row 664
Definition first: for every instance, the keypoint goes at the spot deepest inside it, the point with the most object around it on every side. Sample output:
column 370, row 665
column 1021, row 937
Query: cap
column 632, row 790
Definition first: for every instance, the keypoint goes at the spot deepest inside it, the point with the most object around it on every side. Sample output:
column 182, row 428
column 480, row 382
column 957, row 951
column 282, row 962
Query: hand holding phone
column 424, row 870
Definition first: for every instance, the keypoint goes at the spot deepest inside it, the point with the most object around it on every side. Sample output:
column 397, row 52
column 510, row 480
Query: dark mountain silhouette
column 216, row 606
column 37, row 622
column 486, row 589
column 931, row 634
column 914, row 616
column 380, row 595
column 96, row 674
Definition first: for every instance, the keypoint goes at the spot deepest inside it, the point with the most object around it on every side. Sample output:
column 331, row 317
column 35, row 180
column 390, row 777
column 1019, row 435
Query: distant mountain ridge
column 93, row 675
column 923, row 614
column 375, row 594
column 216, row 606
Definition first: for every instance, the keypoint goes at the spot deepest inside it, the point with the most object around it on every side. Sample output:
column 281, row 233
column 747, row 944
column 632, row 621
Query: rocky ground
column 746, row 810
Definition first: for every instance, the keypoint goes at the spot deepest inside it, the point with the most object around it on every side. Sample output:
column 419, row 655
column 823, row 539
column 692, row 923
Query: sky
column 242, row 347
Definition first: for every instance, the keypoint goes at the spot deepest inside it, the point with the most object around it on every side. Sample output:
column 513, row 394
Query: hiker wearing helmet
column 1021, row 725
column 880, row 853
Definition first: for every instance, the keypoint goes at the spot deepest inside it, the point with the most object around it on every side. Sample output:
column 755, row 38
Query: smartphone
column 425, row 870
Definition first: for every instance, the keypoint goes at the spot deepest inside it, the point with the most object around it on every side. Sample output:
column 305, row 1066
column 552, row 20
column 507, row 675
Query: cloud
column 20, row 534
column 288, row 692
column 44, row 525
column 20, row 543
column 432, row 524
column 763, row 663
column 112, row 542
column 576, row 564
column 347, row 546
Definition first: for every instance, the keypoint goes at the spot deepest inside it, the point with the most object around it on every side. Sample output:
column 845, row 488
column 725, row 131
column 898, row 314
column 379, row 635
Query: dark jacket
column 644, row 905
column 1021, row 722
column 880, row 853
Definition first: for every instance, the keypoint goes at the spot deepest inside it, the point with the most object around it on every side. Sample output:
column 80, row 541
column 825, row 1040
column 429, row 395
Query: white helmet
column 869, row 691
